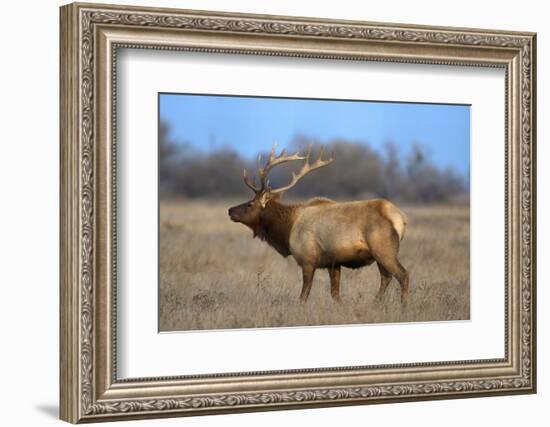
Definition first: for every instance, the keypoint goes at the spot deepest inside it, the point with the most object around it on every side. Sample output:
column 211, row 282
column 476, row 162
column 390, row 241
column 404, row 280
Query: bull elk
column 322, row 233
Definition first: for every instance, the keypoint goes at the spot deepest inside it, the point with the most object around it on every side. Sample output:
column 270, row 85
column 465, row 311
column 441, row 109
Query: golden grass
column 214, row 275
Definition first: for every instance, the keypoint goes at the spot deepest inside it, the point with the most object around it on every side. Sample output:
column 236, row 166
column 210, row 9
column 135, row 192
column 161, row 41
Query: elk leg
column 385, row 279
column 307, row 273
column 404, row 283
column 385, row 246
column 334, row 274
column 402, row 276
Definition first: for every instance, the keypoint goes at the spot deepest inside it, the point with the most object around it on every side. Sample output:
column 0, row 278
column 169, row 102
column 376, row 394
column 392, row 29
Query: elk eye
column 249, row 204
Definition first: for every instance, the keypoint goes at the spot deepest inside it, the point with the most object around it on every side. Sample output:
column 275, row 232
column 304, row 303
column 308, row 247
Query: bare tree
column 361, row 172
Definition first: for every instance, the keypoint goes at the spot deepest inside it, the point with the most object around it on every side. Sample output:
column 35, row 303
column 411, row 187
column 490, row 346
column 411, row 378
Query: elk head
column 249, row 213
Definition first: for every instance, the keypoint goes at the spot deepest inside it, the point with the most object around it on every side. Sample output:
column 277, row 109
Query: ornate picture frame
column 90, row 37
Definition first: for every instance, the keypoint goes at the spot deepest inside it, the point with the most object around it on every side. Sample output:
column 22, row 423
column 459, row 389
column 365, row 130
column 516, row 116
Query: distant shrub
column 358, row 171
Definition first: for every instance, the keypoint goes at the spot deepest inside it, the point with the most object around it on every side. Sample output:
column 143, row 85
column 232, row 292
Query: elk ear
column 264, row 198
column 276, row 196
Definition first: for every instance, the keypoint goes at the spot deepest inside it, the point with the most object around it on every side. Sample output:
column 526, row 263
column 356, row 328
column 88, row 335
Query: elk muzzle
column 239, row 213
column 233, row 214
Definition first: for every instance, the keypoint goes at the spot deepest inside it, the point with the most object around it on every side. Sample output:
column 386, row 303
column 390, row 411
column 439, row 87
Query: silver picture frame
column 90, row 37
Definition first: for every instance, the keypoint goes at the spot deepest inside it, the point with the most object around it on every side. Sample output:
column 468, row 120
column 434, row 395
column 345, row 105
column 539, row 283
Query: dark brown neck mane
column 275, row 224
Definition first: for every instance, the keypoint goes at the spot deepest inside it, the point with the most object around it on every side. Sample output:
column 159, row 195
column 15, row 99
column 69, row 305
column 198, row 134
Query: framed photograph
column 266, row 212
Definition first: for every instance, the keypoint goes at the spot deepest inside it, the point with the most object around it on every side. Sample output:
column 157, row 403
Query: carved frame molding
column 90, row 36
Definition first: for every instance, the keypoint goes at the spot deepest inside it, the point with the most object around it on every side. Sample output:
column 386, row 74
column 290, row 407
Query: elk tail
column 397, row 218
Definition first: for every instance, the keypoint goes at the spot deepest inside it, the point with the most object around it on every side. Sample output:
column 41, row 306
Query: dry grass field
column 214, row 275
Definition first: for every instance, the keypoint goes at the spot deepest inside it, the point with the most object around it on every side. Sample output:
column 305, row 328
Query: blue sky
column 253, row 124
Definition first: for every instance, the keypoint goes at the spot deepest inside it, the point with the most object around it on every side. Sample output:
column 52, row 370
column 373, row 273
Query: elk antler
column 273, row 161
column 250, row 184
column 263, row 172
column 307, row 168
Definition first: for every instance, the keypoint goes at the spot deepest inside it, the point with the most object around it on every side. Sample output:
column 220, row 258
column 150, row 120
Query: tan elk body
column 322, row 233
